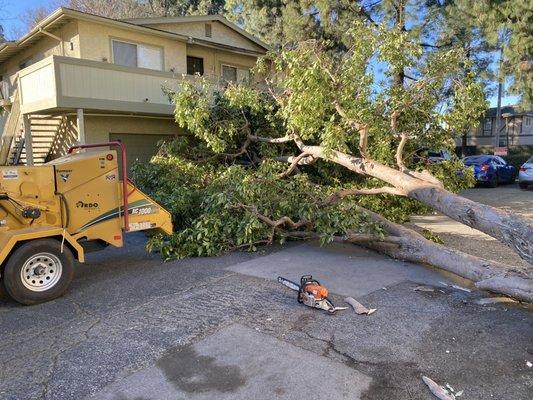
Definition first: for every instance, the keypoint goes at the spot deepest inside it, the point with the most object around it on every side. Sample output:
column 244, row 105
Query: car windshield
column 476, row 160
column 530, row 161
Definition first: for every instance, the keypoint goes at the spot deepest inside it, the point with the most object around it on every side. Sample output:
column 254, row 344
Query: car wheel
column 493, row 182
column 38, row 271
column 523, row 185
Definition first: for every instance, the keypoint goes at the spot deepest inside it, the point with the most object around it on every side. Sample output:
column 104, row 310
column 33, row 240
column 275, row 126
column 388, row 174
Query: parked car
column 525, row 175
column 491, row 170
column 432, row 156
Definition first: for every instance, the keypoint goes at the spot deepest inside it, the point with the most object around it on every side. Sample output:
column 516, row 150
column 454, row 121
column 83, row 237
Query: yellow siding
column 213, row 59
column 95, row 44
column 45, row 47
column 220, row 33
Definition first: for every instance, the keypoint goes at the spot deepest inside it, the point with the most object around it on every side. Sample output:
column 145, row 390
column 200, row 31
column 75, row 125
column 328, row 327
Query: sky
column 10, row 11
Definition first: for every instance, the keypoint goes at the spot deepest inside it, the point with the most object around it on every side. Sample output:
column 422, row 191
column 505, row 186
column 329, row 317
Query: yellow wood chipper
column 53, row 214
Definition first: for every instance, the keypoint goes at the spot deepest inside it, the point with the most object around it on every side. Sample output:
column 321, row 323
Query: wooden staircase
column 44, row 129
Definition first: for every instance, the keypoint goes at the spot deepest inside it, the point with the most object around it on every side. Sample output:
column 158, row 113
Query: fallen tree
column 347, row 145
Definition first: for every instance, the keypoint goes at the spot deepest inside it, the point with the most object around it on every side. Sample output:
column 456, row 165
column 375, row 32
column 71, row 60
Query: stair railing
column 10, row 128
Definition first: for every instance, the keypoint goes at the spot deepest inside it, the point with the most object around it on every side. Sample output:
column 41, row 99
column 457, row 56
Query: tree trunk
column 514, row 230
column 507, row 227
column 408, row 245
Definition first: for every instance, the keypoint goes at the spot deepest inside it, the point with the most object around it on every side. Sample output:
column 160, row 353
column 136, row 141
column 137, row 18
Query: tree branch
column 341, row 194
column 399, row 152
column 283, row 139
column 302, row 159
column 362, row 129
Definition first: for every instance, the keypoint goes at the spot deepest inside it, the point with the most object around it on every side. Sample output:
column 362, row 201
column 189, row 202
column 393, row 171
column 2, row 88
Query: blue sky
column 10, row 11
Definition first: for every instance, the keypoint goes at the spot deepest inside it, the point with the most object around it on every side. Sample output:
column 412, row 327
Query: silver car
column 525, row 175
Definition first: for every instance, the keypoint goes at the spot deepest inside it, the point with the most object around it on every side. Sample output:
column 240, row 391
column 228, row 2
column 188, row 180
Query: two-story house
column 82, row 78
column 515, row 129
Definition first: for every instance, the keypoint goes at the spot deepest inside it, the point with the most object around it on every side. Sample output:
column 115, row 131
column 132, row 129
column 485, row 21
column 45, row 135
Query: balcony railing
column 66, row 83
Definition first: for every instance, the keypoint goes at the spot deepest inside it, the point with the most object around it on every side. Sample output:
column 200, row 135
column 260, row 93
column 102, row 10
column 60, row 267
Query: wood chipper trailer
column 51, row 215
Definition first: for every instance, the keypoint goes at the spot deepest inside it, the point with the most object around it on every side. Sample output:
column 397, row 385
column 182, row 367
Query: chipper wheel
column 38, row 271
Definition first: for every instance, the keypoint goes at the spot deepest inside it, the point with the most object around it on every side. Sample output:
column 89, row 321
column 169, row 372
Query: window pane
column 149, row 57
column 243, row 75
column 195, row 65
column 229, row 73
column 124, row 54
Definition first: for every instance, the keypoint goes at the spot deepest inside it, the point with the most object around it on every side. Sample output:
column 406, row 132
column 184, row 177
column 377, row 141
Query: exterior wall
column 95, row 44
column 220, row 33
column 515, row 128
column 213, row 59
column 45, row 47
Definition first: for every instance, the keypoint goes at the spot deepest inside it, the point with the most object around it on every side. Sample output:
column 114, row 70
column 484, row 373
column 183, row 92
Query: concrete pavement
column 133, row 327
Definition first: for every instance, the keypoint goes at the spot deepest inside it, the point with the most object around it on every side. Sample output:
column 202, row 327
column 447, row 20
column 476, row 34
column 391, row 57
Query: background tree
column 505, row 24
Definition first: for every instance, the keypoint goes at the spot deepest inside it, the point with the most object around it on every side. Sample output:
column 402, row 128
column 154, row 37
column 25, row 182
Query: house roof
column 511, row 110
column 63, row 15
column 199, row 18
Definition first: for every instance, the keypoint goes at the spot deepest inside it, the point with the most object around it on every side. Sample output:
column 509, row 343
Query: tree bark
column 408, row 245
column 514, row 230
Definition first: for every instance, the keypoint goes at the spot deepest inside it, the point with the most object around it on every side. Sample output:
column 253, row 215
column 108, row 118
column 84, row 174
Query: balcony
column 58, row 83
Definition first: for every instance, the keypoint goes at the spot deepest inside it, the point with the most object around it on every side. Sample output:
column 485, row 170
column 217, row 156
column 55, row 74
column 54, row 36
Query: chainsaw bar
column 289, row 284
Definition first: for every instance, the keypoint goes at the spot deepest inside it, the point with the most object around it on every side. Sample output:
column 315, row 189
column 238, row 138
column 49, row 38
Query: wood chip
column 461, row 288
column 492, row 300
column 358, row 307
column 437, row 390
column 424, row 289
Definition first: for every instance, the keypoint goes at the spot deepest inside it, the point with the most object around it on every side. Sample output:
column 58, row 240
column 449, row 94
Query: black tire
column 493, row 182
column 3, row 292
column 47, row 271
column 523, row 185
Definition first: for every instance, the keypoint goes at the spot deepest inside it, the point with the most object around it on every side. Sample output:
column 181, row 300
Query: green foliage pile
column 214, row 206
column 215, row 210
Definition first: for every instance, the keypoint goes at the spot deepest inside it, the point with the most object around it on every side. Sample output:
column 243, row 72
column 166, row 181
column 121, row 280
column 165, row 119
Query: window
column 234, row 74
column 500, row 160
column 195, row 66
column 137, row 55
column 208, row 30
column 528, row 121
column 229, row 73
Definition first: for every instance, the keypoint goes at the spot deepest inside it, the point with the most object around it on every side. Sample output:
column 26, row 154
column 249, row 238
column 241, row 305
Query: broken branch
column 302, row 159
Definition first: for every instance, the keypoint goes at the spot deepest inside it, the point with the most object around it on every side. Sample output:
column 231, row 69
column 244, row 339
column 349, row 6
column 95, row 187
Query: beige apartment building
column 82, row 78
column 515, row 129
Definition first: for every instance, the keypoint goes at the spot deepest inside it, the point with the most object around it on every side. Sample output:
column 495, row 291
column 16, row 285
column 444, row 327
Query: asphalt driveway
column 133, row 327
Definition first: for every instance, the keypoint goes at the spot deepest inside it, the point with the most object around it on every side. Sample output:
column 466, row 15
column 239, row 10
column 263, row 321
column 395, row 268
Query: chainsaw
column 311, row 293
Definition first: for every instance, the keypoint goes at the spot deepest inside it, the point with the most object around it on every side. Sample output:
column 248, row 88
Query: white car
column 525, row 175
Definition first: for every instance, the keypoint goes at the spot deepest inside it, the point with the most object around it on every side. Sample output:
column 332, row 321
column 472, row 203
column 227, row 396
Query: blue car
column 491, row 170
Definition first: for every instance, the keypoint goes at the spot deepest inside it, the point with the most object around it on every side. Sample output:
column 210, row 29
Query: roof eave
column 200, row 18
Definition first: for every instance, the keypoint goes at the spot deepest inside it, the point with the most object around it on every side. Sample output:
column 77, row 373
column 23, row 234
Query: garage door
column 139, row 147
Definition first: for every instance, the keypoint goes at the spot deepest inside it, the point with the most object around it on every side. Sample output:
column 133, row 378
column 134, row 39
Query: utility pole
column 499, row 107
